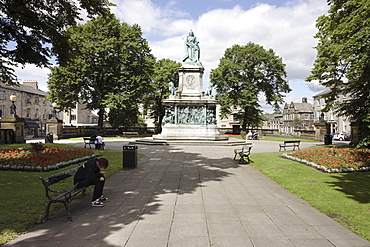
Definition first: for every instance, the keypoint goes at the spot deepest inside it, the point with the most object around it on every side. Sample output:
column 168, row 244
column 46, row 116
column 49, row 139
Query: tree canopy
column 343, row 60
column 31, row 31
column 242, row 74
column 109, row 66
column 165, row 71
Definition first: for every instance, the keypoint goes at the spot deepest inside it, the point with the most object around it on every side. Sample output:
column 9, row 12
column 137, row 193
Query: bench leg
column 69, row 216
column 47, row 212
column 244, row 159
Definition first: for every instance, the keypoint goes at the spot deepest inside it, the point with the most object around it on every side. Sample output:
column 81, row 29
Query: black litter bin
column 129, row 156
column 328, row 140
column 49, row 138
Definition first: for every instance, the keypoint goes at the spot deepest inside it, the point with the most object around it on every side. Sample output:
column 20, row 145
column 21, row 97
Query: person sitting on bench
column 99, row 144
column 90, row 174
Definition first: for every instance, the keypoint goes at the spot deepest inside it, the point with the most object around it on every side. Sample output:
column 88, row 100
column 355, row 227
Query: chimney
column 31, row 83
column 304, row 100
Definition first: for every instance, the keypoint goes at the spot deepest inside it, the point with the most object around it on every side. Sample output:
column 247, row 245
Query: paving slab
column 191, row 196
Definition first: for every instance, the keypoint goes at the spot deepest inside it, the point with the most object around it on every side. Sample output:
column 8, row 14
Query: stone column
column 16, row 124
column 54, row 126
column 321, row 130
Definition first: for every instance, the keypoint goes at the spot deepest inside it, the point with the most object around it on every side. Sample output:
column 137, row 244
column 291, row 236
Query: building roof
column 322, row 93
column 303, row 107
column 24, row 88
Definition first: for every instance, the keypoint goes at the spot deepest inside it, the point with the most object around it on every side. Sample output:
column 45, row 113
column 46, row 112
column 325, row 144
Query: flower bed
column 333, row 160
column 42, row 158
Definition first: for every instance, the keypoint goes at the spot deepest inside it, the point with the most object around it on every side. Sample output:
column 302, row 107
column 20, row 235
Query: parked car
column 347, row 137
column 338, row 136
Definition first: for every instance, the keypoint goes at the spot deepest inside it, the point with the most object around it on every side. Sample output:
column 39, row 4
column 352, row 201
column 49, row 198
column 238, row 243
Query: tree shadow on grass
column 355, row 185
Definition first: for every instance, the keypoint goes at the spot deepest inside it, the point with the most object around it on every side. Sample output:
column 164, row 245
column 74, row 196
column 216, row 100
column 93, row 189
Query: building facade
column 80, row 116
column 338, row 124
column 297, row 116
column 30, row 103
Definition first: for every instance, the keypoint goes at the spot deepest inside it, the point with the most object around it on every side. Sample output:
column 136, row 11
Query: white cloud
column 32, row 72
column 151, row 18
column 287, row 29
column 314, row 86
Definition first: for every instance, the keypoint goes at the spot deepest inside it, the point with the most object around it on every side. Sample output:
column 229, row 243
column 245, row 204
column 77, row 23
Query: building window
column 36, row 113
column 28, row 99
column 43, row 102
column 2, row 111
column 37, row 100
column 73, row 117
column 2, row 94
column 28, row 113
column 44, row 115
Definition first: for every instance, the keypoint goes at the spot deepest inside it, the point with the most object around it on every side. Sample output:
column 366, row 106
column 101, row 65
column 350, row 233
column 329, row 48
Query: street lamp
column 13, row 108
column 54, row 105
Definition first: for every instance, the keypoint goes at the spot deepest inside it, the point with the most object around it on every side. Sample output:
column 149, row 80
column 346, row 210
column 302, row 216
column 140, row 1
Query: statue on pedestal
column 191, row 50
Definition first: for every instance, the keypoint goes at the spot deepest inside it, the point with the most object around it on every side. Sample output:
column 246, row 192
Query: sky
column 287, row 27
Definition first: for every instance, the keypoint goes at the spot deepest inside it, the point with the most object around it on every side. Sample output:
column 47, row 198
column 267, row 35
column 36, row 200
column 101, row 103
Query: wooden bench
column 89, row 140
column 243, row 153
column 55, row 196
column 132, row 133
column 293, row 143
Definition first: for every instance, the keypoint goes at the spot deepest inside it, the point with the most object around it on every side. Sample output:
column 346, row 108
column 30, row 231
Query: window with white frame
column 28, row 99
column 44, row 115
column 2, row 94
column 28, row 113
column 36, row 113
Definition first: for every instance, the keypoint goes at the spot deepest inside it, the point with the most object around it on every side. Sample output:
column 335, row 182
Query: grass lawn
column 343, row 196
column 23, row 195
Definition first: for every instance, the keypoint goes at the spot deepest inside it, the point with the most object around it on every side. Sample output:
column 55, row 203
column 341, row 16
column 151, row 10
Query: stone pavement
column 191, row 196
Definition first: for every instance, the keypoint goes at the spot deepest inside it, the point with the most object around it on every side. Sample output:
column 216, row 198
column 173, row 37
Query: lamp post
column 13, row 108
column 54, row 105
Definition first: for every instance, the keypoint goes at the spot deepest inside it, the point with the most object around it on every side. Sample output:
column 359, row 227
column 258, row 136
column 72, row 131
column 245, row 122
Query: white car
column 338, row 136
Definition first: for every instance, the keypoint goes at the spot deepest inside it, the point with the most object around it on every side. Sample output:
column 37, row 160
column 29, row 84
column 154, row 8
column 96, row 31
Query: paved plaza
column 191, row 196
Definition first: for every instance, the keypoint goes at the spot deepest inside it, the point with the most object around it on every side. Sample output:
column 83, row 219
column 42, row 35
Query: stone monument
column 190, row 111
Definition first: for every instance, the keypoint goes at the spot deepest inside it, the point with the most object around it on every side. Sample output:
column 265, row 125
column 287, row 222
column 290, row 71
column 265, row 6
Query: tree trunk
column 101, row 118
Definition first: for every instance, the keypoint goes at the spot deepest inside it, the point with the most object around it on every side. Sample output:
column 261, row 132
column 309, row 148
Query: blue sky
column 287, row 27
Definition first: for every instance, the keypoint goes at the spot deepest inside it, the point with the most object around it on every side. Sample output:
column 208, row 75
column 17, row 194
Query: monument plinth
column 190, row 111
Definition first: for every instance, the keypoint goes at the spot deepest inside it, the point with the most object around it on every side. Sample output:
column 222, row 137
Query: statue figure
column 191, row 50
column 209, row 91
column 172, row 88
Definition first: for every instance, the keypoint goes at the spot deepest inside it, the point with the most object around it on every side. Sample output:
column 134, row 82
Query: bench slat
column 291, row 143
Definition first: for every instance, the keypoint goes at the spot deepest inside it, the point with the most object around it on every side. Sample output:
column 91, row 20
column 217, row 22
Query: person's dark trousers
column 98, row 189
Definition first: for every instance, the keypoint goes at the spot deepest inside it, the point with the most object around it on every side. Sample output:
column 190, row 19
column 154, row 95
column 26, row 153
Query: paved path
column 192, row 196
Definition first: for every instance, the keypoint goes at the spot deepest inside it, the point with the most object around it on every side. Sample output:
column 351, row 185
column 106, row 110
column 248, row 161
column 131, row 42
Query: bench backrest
column 297, row 141
column 58, row 177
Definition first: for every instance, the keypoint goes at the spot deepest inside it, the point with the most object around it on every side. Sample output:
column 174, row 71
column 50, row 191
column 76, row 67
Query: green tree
column 31, row 31
column 297, row 123
column 165, row 71
column 343, row 60
column 109, row 66
column 243, row 73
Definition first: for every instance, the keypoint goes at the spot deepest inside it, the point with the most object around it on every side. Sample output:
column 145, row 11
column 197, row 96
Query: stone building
column 297, row 116
column 338, row 124
column 274, row 121
column 80, row 116
column 30, row 104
